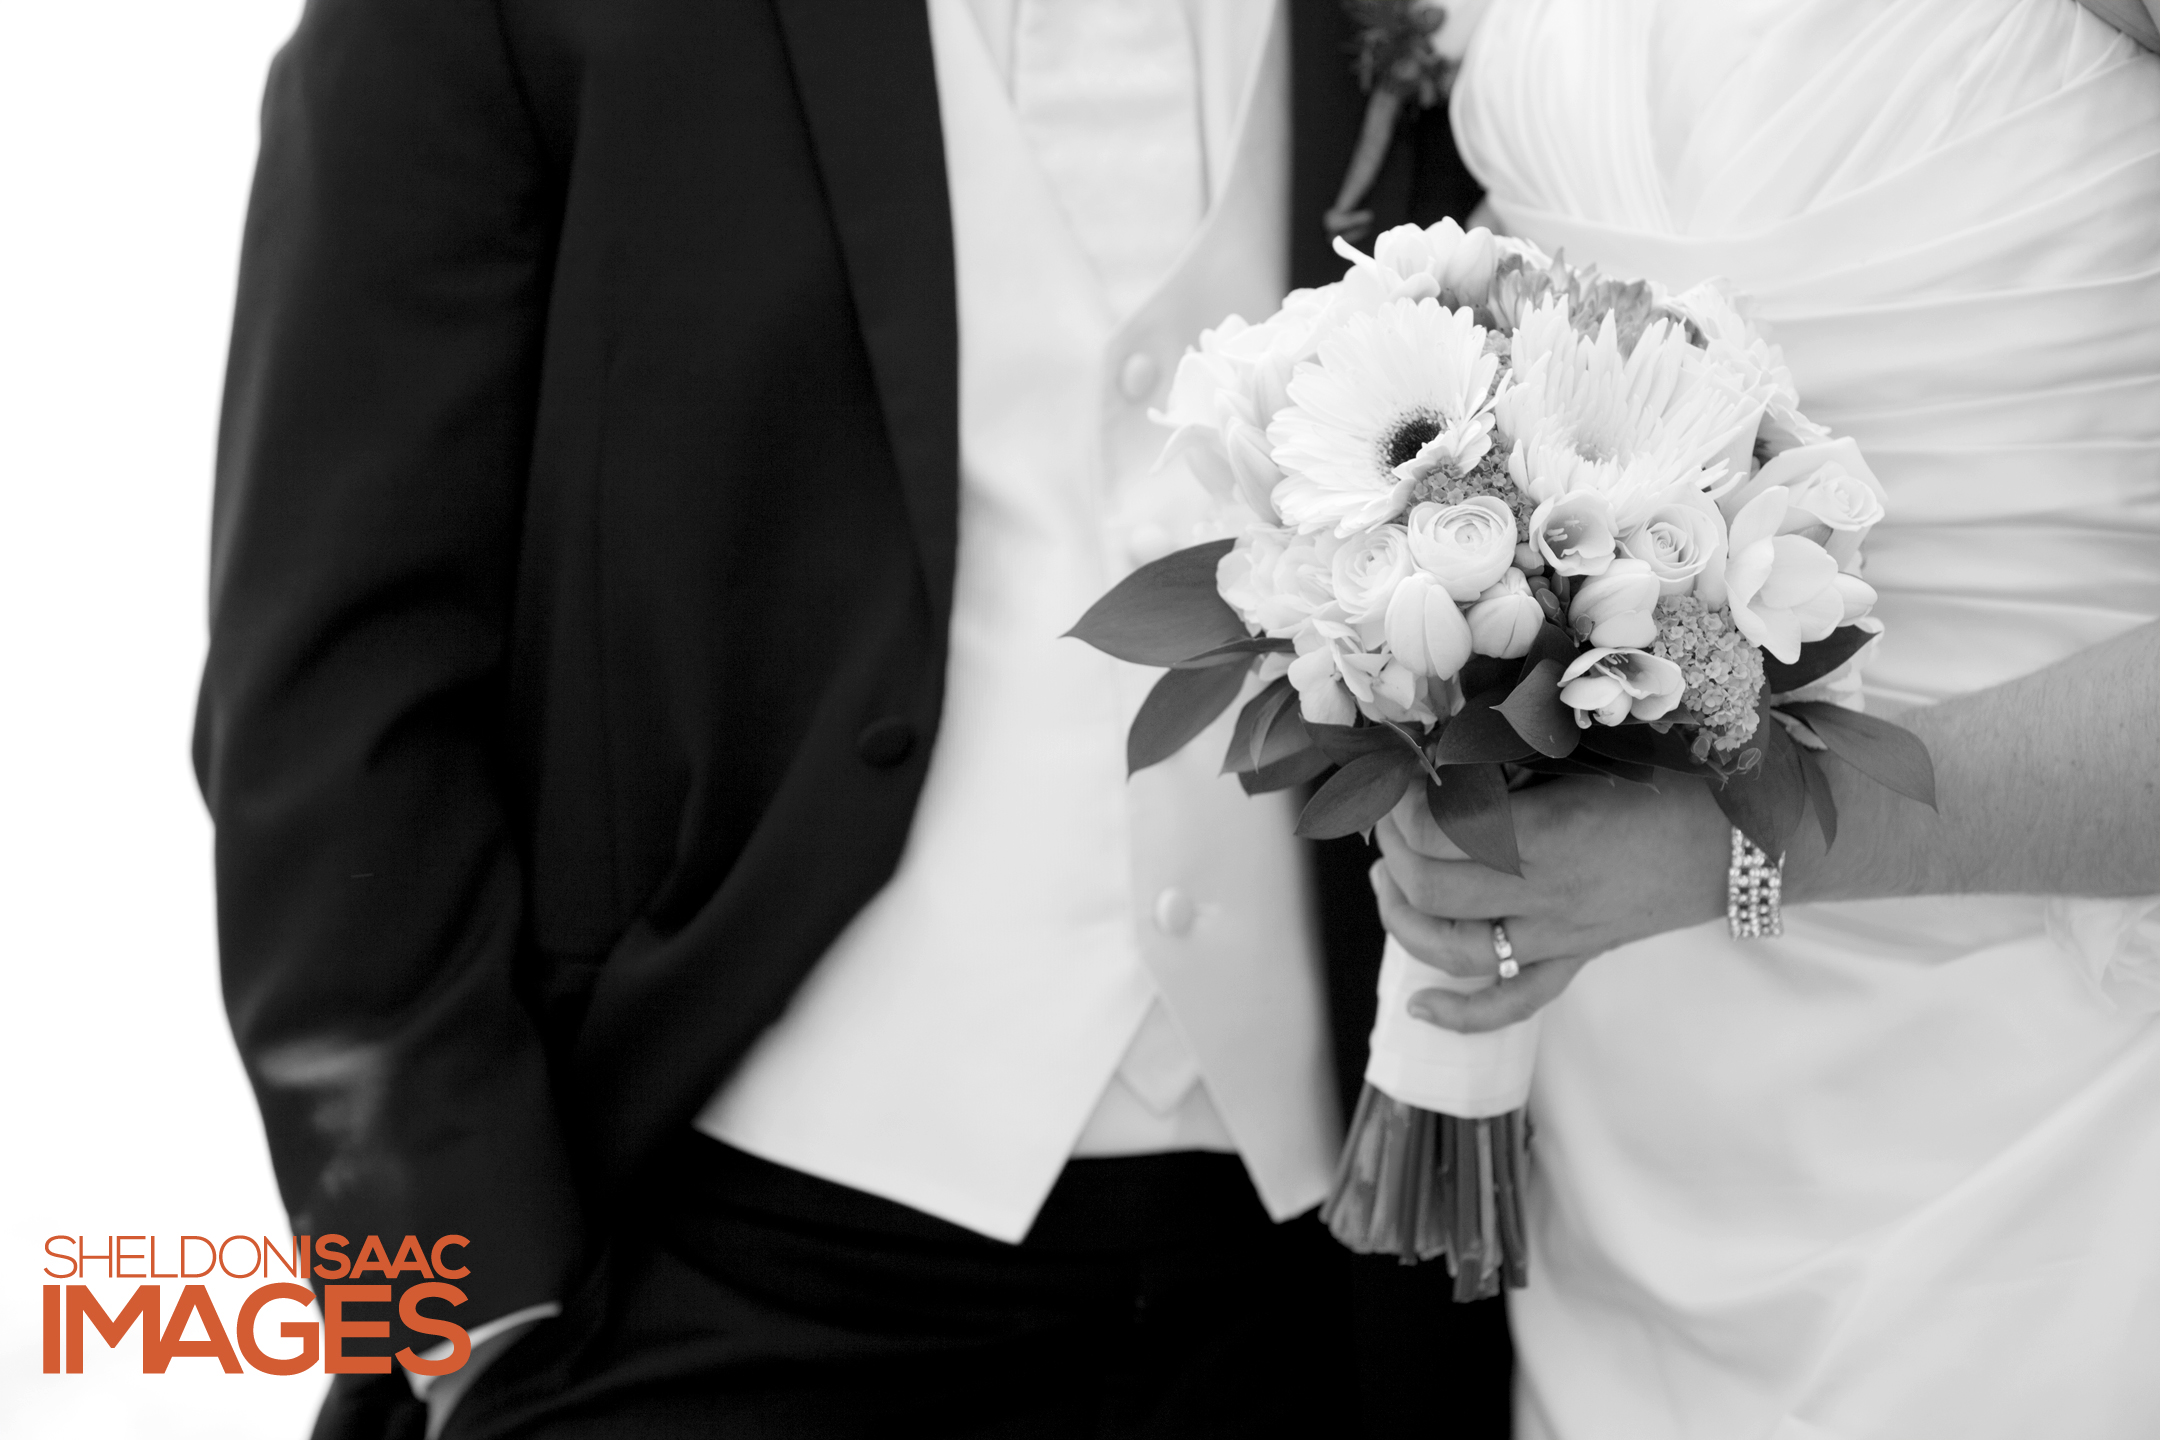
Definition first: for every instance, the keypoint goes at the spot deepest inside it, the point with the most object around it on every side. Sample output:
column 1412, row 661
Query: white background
column 127, row 134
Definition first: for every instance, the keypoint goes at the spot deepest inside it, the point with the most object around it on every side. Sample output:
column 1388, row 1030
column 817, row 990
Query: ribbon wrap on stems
column 1438, row 1151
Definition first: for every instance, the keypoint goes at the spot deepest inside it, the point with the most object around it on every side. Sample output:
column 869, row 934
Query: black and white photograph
column 1081, row 719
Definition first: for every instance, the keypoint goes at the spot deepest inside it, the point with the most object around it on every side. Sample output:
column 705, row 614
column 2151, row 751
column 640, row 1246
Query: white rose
column 1240, row 371
column 1782, row 589
column 1425, row 631
column 1574, row 532
column 1679, row 542
column 1277, row 580
column 1610, row 685
column 1246, row 577
column 1835, row 498
column 1506, row 618
column 1367, row 568
column 1842, row 507
column 1466, row 547
column 1618, row 608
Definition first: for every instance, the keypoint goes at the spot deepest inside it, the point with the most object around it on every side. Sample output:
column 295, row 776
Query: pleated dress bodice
column 1895, row 1173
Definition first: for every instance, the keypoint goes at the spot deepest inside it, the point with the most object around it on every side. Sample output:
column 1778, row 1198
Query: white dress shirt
column 1067, row 962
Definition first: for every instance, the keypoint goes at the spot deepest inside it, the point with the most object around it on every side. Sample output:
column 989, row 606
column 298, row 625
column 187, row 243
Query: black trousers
column 1153, row 1298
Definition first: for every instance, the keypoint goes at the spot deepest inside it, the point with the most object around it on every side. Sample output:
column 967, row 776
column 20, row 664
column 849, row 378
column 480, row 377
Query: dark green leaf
column 1243, row 754
column 1243, row 649
column 1534, row 709
column 1767, row 800
column 1292, row 770
column 1182, row 704
column 1164, row 612
column 1481, row 673
column 1479, row 734
column 1552, row 643
column 1889, row 754
column 1818, row 793
column 1570, row 765
column 1356, row 797
column 1282, row 736
column 1612, row 769
column 1345, row 743
column 1817, row 659
column 1641, row 745
column 1470, row 805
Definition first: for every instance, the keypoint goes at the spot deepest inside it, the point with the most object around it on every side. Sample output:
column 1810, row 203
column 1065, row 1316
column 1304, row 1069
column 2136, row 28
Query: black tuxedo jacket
column 583, row 555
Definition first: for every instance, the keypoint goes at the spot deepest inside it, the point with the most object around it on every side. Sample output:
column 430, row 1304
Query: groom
column 658, row 837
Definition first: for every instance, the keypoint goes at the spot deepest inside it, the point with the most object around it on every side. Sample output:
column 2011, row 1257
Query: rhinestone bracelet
column 1751, row 891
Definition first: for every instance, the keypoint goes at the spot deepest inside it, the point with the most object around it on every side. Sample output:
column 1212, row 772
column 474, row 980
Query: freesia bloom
column 1425, row 631
column 1332, row 654
column 1385, row 385
column 1506, row 618
column 1465, row 547
column 1323, row 699
column 1466, row 278
column 1858, row 595
column 1574, row 533
column 1608, row 686
column 1617, row 608
column 1782, row 588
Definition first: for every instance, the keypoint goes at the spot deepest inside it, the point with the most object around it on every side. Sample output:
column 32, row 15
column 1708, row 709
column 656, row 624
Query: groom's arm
column 378, row 410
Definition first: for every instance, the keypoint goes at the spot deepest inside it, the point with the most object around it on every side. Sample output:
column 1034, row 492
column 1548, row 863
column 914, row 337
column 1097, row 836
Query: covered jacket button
column 886, row 742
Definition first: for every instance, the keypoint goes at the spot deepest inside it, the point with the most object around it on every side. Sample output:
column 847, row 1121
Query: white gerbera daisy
column 1408, row 381
column 1578, row 414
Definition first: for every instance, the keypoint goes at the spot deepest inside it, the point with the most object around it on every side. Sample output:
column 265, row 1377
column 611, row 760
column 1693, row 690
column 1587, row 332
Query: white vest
column 950, row 1048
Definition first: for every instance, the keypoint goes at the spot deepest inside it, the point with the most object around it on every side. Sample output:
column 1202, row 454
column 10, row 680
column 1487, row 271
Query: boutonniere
column 1398, row 63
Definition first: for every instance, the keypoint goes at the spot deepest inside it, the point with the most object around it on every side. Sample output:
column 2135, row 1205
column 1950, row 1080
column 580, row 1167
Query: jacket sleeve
column 349, row 741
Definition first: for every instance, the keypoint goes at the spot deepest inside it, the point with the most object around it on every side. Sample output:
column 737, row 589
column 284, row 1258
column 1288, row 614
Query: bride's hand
column 1603, row 864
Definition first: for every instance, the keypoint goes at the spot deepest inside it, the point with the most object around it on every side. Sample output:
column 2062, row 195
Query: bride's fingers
column 1453, row 889
column 1505, row 1003
column 1460, row 947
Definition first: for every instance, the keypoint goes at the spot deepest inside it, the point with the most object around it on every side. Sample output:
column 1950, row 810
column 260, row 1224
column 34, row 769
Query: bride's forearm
column 2049, row 784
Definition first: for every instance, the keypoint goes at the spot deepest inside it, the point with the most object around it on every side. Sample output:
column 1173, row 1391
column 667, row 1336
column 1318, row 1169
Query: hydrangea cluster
column 1488, row 477
column 1724, row 673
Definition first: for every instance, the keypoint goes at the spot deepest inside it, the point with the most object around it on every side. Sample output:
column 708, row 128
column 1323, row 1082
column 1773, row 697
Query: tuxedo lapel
column 869, row 93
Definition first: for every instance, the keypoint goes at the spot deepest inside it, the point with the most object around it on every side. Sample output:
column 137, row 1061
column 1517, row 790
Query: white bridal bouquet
column 1501, row 518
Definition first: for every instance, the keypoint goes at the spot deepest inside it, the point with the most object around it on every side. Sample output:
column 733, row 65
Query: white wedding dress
column 1896, row 1175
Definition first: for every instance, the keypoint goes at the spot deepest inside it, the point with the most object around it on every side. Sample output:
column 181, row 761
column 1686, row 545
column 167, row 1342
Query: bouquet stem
column 1422, row 1186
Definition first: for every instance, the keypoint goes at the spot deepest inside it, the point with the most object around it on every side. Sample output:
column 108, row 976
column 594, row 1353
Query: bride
column 1896, row 1173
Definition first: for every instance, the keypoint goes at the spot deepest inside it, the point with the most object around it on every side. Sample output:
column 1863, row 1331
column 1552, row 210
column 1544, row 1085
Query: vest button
column 885, row 743
column 1137, row 378
column 1174, row 913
